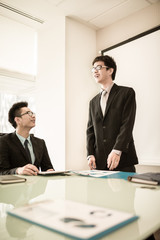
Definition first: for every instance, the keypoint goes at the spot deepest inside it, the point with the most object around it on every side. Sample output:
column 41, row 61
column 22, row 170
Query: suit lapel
column 36, row 148
column 111, row 97
column 99, row 106
column 19, row 146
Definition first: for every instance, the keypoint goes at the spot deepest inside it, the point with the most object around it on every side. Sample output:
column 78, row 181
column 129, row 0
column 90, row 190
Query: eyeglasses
column 31, row 114
column 99, row 67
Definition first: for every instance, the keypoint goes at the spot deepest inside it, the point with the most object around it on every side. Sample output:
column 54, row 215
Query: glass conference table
column 118, row 194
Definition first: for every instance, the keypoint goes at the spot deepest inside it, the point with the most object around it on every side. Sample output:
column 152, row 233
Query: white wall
column 66, row 49
column 50, row 94
column 128, row 27
column 80, row 87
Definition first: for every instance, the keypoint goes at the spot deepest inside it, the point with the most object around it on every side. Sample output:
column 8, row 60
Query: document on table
column 95, row 173
column 44, row 173
column 73, row 219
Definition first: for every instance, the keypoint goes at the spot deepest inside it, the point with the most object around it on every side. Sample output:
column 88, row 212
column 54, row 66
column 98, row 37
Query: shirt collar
column 108, row 89
column 22, row 139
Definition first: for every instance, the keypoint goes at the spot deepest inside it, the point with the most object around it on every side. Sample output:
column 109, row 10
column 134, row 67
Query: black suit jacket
column 114, row 130
column 13, row 155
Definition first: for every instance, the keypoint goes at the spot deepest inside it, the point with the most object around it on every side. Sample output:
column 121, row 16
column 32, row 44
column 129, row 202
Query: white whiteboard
column 138, row 66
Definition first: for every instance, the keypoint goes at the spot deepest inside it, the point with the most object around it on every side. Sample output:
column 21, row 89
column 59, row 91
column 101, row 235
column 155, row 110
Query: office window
column 6, row 101
column 17, row 47
column 18, row 67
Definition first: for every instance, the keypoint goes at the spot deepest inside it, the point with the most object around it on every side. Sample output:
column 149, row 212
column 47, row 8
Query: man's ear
column 17, row 120
column 111, row 70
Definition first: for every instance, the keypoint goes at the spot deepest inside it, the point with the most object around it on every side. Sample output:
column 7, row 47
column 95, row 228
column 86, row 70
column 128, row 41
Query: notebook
column 6, row 179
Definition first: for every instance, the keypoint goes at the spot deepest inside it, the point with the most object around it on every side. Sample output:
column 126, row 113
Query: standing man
column 110, row 144
column 21, row 152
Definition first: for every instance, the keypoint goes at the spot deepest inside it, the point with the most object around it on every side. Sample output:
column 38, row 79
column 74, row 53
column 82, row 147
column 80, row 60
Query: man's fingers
column 112, row 161
column 109, row 162
column 30, row 169
column 92, row 164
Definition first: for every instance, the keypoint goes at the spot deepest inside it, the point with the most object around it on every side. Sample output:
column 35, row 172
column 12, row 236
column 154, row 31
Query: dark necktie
column 27, row 150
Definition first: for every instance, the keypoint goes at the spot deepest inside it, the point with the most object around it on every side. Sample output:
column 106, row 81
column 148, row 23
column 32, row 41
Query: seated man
column 20, row 151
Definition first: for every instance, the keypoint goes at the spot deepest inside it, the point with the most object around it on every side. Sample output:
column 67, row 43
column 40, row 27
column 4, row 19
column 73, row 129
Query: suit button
column 104, row 127
column 104, row 140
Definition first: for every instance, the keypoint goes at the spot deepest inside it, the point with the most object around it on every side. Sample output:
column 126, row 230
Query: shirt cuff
column 118, row 152
column 89, row 157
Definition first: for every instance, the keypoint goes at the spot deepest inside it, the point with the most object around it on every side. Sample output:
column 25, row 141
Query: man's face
column 101, row 75
column 27, row 118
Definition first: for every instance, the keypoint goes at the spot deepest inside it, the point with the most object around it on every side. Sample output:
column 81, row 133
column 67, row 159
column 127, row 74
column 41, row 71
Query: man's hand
column 50, row 170
column 113, row 160
column 28, row 169
column 92, row 162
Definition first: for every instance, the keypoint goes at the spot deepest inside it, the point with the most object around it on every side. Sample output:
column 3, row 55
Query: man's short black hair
column 15, row 111
column 109, row 62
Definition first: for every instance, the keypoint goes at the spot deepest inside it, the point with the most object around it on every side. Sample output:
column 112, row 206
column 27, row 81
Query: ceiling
column 94, row 13
column 100, row 13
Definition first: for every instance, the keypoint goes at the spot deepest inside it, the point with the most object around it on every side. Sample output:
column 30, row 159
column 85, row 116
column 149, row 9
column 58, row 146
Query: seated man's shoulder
column 6, row 135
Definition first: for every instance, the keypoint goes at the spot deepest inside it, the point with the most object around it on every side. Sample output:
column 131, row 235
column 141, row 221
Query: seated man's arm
column 46, row 164
column 6, row 162
column 5, row 166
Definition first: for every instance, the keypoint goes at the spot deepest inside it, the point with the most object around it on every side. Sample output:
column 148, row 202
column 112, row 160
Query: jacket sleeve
column 90, row 134
column 46, row 162
column 5, row 166
column 128, row 118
